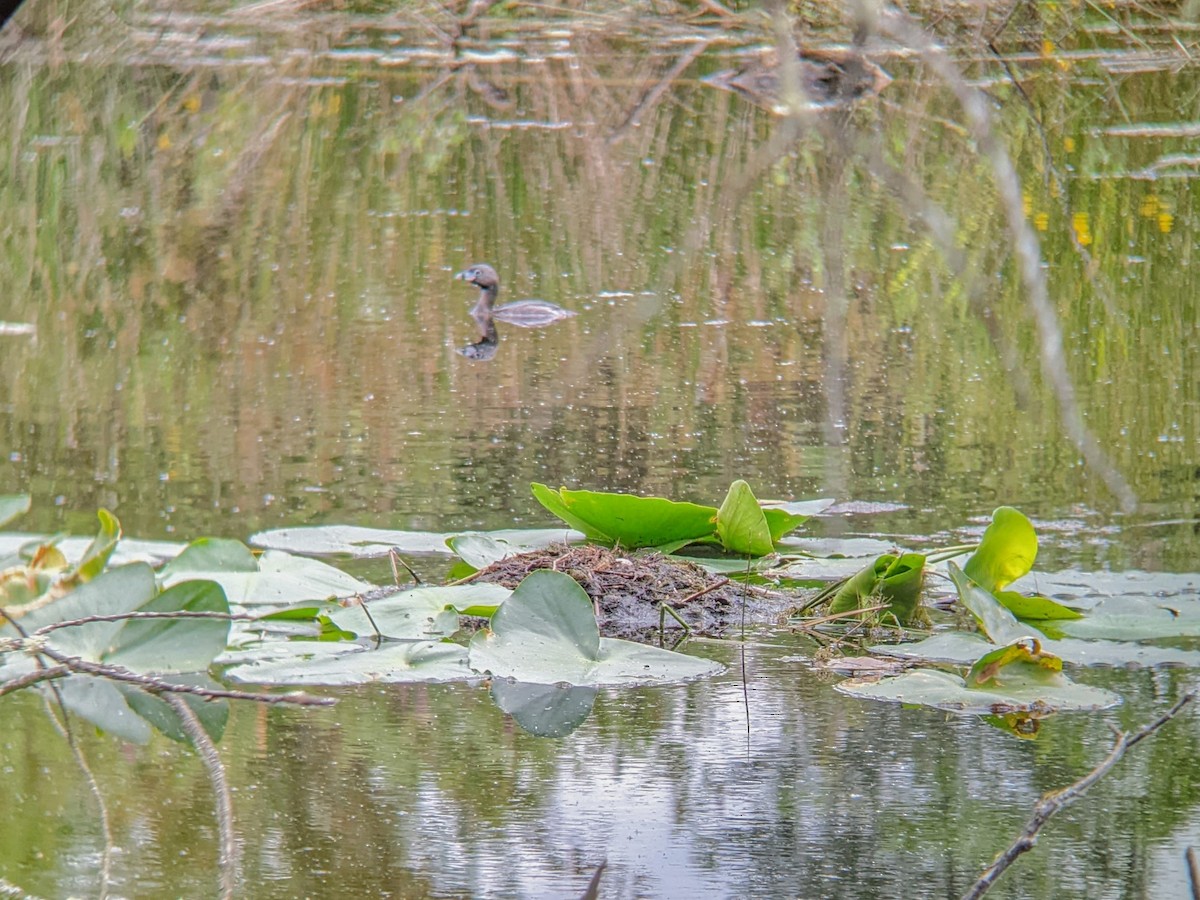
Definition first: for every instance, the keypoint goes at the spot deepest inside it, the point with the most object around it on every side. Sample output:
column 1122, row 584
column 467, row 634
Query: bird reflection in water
column 523, row 313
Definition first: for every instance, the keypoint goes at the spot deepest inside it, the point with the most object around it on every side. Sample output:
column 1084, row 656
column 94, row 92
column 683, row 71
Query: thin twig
column 701, row 592
column 227, row 857
column 1193, row 872
column 120, row 617
column 1053, row 801
column 159, row 686
column 29, row 678
column 832, row 617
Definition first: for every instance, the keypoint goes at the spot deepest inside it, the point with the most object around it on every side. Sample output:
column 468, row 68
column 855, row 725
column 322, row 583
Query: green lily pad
column 626, row 519
column 343, row 664
column 1021, row 692
column 546, row 633
column 95, row 557
column 741, row 524
column 1007, row 551
column 1137, row 619
column 544, row 710
column 1000, row 625
column 891, row 579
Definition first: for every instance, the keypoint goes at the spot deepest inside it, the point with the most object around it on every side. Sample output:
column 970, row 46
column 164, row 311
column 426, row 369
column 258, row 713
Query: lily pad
column 891, row 579
column 277, row 579
column 784, row 516
column 479, row 549
column 741, row 524
column 1006, row 552
column 546, row 633
column 626, row 519
column 422, row 612
column 343, row 664
column 964, row 649
column 349, row 540
column 1020, row 693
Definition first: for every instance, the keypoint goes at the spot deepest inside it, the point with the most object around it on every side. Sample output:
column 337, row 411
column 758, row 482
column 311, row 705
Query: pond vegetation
column 930, row 263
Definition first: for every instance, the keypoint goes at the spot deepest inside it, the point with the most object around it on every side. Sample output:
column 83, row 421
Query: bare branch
column 160, row 686
column 1056, row 800
column 24, row 681
column 120, row 617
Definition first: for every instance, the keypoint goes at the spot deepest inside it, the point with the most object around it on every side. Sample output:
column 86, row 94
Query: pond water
column 229, row 241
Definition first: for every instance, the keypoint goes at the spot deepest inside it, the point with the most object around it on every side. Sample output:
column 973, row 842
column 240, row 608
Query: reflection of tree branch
column 207, row 751
column 650, row 100
column 1056, row 800
column 1028, row 251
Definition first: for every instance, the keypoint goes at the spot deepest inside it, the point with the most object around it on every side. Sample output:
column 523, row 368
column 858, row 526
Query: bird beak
column 462, row 276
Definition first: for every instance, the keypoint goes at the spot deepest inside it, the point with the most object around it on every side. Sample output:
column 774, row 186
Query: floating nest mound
column 629, row 590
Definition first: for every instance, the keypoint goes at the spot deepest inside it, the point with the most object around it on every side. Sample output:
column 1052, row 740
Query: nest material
column 628, row 590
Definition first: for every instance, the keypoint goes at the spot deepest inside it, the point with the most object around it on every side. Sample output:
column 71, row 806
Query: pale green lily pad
column 1000, row 625
column 942, row 690
column 545, row 710
column 835, row 548
column 342, row 663
column 479, row 549
column 546, row 633
column 422, row 612
column 280, row 580
column 349, row 540
column 961, row 648
column 1137, row 618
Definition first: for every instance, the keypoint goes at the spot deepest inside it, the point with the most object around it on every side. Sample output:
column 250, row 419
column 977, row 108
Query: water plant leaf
column 12, row 506
column 213, row 715
column 741, row 524
column 1006, row 552
column 349, row 540
column 1137, row 619
column 1035, row 607
column 544, row 710
column 546, row 633
column 892, row 579
column 103, row 704
column 278, row 579
column 211, row 555
column 342, row 664
column 1000, row 625
column 784, row 516
column 1025, row 658
column 119, row 590
column 1022, row 692
column 964, row 649
column 173, row 645
column 480, row 549
column 626, row 519
column 421, row 612
column 95, row 558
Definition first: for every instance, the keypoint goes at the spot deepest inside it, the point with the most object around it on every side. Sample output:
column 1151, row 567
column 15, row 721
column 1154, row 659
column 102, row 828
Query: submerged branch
column 1057, row 800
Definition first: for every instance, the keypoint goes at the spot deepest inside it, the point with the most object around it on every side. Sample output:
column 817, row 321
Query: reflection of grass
column 293, row 239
